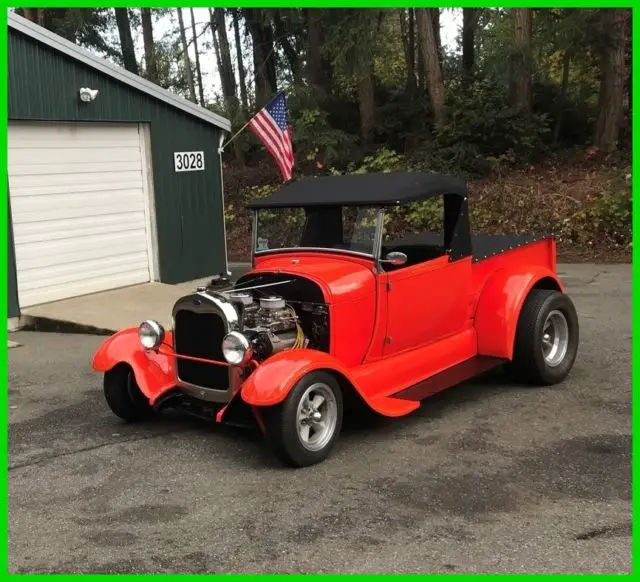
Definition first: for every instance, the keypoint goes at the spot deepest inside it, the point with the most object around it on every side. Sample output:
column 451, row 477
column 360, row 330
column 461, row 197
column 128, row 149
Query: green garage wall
column 44, row 85
column 13, row 310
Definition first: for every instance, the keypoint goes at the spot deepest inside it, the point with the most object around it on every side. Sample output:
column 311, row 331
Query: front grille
column 200, row 335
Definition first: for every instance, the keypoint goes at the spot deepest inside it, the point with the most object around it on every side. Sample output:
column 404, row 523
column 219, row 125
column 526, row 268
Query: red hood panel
column 341, row 278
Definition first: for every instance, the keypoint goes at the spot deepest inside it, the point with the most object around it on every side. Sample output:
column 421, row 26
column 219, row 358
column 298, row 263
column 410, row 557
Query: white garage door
column 80, row 209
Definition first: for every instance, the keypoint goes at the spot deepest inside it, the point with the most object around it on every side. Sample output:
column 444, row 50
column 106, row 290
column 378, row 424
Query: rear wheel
column 304, row 428
column 547, row 338
column 124, row 396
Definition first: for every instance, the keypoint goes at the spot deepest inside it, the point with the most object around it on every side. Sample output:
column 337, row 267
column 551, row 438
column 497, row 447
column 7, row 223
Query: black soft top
column 375, row 189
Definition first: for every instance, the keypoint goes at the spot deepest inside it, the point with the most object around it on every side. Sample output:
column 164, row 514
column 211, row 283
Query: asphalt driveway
column 487, row 477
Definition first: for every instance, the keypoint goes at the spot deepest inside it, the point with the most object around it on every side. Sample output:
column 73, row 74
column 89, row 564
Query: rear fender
column 501, row 302
column 154, row 372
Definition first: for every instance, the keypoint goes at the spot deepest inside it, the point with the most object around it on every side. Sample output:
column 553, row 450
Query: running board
column 448, row 378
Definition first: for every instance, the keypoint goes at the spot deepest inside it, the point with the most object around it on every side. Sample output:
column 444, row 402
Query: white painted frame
column 144, row 133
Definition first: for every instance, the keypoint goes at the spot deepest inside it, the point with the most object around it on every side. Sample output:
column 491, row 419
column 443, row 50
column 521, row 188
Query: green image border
column 4, row 406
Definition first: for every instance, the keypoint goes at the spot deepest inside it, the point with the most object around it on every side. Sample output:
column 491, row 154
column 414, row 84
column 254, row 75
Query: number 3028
column 188, row 161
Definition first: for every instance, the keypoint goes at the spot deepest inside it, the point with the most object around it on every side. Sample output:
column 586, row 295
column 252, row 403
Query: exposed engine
column 273, row 325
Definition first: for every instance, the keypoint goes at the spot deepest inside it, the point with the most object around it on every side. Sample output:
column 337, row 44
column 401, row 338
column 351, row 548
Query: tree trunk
column 241, row 71
column 431, row 62
column 469, row 22
column 126, row 42
column 521, row 23
column 435, row 19
column 195, row 48
column 263, row 55
column 562, row 98
column 318, row 69
column 149, row 47
column 408, row 42
column 185, row 58
column 287, row 48
column 612, row 76
column 367, row 107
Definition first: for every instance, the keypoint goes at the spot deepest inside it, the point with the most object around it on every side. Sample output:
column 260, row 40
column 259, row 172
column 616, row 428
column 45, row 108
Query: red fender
column 154, row 372
column 499, row 307
column 275, row 378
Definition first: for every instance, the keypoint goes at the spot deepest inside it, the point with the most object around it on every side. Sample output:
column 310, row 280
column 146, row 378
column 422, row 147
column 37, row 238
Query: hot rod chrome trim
column 229, row 315
column 314, row 249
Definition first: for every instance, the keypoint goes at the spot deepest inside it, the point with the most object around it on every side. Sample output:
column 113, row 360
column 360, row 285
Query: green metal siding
column 13, row 308
column 43, row 86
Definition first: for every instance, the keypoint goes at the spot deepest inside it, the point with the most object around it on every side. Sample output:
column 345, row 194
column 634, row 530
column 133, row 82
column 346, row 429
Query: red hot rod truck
column 333, row 312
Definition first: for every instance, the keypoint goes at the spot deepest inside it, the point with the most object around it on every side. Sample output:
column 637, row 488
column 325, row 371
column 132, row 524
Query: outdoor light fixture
column 87, row 94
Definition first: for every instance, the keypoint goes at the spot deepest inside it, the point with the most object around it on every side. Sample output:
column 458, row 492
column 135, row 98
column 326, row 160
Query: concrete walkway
column 109, row 311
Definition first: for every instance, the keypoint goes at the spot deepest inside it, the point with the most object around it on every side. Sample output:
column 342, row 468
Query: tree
column 469, row 23
column 195, row 48
column 612, row 78
column 239, row 60
column 318, row 68
column 149, row 47
column 407, row 29
column 264, row 55
column 281, row 28
column 126, row 42
column 185, row 57
column 521, row 61
column 432, row 66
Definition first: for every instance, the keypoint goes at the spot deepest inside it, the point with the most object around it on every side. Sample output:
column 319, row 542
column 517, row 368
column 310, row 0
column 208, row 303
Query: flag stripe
column 270, row 141
column 271, row 126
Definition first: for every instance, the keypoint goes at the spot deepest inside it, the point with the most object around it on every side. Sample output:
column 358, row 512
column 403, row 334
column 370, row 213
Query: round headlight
column 151, row 334
column 236, row 348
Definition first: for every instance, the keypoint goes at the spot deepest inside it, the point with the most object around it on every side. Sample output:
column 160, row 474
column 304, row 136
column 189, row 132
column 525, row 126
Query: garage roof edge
column 66, row 47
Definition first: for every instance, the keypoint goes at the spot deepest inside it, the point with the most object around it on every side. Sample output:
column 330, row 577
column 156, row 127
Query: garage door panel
column 51, row 230
column 75, row 169
column 56, row 293
column 78, row 206
column 39, row 156
column 117, row 200
column 32, row 279
column 80, row 180
column 69, row 250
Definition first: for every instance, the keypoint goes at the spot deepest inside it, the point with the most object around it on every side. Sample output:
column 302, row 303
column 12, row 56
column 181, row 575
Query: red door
column 426, row 302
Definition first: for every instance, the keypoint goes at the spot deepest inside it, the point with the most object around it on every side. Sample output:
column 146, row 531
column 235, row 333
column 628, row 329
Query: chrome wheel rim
column 317, row 417
column 555, row 338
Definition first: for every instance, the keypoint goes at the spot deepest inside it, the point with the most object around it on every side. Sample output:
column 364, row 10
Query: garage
column 80, row 206
column 100, row 196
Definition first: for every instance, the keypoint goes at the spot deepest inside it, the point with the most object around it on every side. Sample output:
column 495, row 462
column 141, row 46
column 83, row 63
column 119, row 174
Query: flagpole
column 224, row 145
column 221, row 148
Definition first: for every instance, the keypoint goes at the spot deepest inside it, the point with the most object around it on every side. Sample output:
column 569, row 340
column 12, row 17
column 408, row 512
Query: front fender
column 500, row 303
column 272, row 381
column 154, row 372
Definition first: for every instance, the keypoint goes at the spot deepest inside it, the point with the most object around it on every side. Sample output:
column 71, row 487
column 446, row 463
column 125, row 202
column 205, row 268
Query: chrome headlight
column 151, row 334
column 236, row 348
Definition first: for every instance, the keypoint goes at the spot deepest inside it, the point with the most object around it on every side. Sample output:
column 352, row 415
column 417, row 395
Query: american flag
column 271, row 125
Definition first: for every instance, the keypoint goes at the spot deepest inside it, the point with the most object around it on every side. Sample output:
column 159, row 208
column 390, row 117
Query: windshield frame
column 375, row 255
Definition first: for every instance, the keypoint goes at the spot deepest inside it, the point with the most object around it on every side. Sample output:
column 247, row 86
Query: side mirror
column 395, row 258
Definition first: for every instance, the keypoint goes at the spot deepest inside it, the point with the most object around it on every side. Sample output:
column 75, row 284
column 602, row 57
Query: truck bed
column 484, row 246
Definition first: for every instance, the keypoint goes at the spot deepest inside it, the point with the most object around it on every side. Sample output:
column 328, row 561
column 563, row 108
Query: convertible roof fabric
column 376, row 189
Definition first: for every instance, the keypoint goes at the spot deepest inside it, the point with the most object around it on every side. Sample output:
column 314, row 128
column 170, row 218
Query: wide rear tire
column 124, row 396
column 547, row 338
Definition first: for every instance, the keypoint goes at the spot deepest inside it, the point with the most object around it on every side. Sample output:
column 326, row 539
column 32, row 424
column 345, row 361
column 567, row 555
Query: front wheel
column 547, row 337
column 304, row 428
column 123, row 395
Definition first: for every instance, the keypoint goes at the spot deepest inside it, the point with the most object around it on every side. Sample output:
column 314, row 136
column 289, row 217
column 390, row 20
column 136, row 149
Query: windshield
column 347, row 229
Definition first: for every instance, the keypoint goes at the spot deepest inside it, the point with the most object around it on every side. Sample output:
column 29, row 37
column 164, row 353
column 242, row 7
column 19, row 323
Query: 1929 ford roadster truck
column 333, row 313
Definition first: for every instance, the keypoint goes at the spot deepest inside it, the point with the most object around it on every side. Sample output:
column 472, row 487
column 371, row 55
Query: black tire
column 529, row 364
column 123, row 395
column 282, row 423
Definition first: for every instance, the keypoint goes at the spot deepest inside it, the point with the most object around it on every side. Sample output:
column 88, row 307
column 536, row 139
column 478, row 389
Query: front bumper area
column 156, row 371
